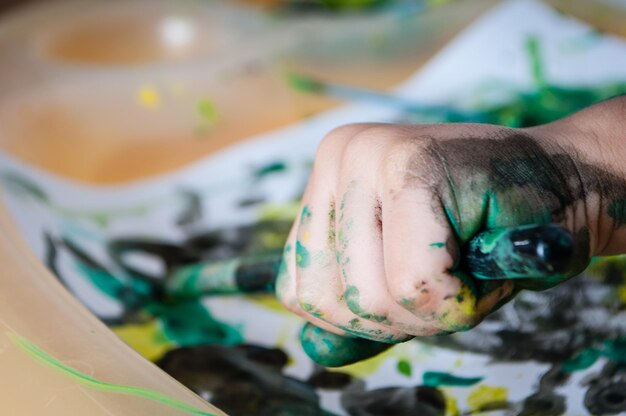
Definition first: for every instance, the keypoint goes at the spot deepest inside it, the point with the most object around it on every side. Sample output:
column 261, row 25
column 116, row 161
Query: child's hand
column 376, row 250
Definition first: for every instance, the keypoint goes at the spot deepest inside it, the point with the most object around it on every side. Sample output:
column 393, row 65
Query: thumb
column 536, row 256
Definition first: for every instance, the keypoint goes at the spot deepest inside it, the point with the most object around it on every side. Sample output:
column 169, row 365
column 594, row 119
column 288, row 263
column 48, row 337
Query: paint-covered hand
column 378, row 250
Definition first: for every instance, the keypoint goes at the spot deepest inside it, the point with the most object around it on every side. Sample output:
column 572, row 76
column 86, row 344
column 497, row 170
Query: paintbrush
column 532, row 253
column 351, row 93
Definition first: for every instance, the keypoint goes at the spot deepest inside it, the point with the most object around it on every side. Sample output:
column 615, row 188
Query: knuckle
column 366, row 310
column 413, row 289
column 338, row 137
column 399, row 157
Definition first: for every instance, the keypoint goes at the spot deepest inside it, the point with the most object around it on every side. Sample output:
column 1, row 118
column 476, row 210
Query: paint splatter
column 404, row 367
column 207, row 111
column 149, row 97
column 38, row 354
column 436, row 379
column 302, row 255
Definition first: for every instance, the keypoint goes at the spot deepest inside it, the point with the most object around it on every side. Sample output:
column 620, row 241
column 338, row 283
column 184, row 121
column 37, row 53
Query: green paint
column 103, row 280
column 190, row 324
column 582, row 361
column 24, row 186
column 437, row 379
column 351, row 296
column 307, row 307
column 617, row 211
column 512, row 253
column 536, row 62
column 615, row 350
column 206, row 109
column 304, row 84
column 408, row 303
column 303, row 258
column 332, row 228
column 332, row 350
column 282, row 277
column 305, row 215
column 437, row 245
column 38, row 354
column 404, row 367
column 269, row 169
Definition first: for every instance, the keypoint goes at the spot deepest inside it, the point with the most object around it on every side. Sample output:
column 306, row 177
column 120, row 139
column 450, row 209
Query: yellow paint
column 306, row 236
column 279, row 212
column 367, row 367
column 621, row 292
column 149, row 97
column 483, row 395
column 458, row 362
column 272, row 240
column 468, row 306
column 269, row 302
column 147, row 339
column 452, row 407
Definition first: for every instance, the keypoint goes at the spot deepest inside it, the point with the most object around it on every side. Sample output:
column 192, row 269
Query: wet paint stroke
column 437, row 245
column 437, row 379
column 38, row 354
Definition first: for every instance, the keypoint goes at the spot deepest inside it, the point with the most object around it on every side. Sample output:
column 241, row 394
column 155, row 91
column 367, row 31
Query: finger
column 286, row 284
column 421, row 261
column 361, row 261
column 319, row 287
column 549, row 254
column 332, row 350
column 325, row 171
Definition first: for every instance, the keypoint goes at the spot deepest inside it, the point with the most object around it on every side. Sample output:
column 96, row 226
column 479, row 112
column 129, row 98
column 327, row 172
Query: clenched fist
column 378, row 249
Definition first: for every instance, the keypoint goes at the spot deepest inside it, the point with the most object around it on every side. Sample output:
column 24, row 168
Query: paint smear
column 35, row 352
column 484, row 395
column 582, row 361
column 147, row 339
column 436, row 379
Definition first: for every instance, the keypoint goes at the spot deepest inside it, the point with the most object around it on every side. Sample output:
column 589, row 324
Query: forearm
column 595, row 140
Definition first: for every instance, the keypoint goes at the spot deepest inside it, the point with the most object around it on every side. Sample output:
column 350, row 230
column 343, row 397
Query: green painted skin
column 352, row 299
column 332, row 350
column 303, row 259
column 437, row 245
column 548, row 254
column 506, row 182
column 90, row 382
column 437, row 379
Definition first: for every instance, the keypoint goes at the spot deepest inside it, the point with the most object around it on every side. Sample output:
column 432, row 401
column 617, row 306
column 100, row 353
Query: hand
column 376, row 250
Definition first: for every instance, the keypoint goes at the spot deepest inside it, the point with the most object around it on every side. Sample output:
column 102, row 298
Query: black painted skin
column 513, row 179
